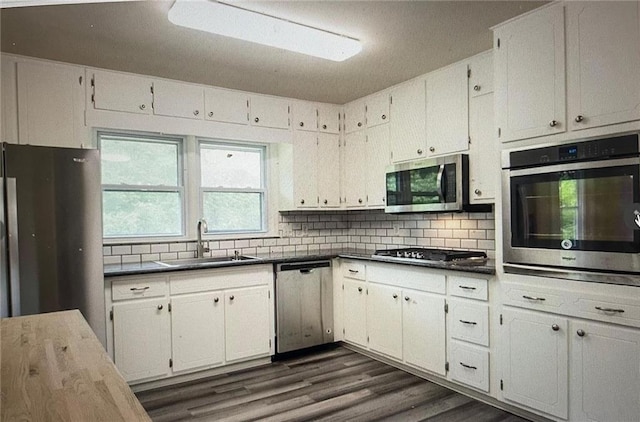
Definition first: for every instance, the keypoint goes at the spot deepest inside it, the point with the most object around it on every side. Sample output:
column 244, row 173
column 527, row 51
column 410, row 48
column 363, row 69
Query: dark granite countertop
column 482, row 267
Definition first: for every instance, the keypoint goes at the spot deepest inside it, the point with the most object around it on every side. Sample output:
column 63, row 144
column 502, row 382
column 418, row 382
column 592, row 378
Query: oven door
column 579, row 215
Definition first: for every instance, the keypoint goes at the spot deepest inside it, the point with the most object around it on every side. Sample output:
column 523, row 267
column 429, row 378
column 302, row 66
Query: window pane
column 139, row 162
column 229, row 167
column 233, row 211
column 141, row 213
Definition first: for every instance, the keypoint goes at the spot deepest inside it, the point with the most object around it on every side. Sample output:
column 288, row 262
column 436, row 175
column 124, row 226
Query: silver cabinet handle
column 407, row 298
column 580, row 333
column 395, row 296
column 360, row 289
column 160, row 307
column 196, row 112
column 432, row 149
column 324, row 126
column 466, row 287
column 476, row 87
column 533, row 298
column 302, row 201
column 468, row 366
column 359, row 124
column 256, row 120
column 326, row 202
column 139, row 289
column 384, row 116
column 360, row 200
column 353, row 271
column 555, row 327
column 211, row 114
column 419, row 151
column 553, row 123
column 468, row 322
column 232, row 297
column 612, row 310
column 301, row 124
column 216, row 300
column 142, row 106
column 579, row 118
column 477, row 192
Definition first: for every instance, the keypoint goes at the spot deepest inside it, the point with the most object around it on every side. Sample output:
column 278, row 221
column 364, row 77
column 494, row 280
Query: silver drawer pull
column 468, row 366
column 467, row 287
column 353, row 271
column 468, row 322
column 533, row 298
column 617, row 311
column 139, row 289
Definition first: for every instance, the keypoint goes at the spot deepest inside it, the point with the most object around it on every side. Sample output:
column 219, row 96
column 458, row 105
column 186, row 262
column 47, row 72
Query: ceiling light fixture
column 232, row 21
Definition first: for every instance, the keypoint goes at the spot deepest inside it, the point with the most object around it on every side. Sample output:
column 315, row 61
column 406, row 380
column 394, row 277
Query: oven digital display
column 568, row 153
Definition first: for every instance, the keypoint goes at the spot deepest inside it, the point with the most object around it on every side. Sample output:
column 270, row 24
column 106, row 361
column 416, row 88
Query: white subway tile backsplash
column 140, row 249
column 227, row 244
column 159, row 248
column 110, row 260
column 121, row 250
column 177, row 247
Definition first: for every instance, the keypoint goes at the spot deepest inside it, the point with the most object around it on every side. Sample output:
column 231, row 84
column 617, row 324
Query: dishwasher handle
column 304, row 267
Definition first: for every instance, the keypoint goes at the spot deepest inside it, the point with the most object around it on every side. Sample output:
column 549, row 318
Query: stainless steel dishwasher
column 304, row 305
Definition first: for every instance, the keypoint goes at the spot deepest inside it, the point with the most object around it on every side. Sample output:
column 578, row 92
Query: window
column 142, row 188
column 232, row 187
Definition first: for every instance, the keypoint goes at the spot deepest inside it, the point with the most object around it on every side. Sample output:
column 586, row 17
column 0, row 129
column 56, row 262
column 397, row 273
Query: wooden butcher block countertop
column 53, row 368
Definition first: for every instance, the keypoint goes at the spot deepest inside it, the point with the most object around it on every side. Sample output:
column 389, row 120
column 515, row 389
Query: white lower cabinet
column 535, row 360
column 384, row 319
column 605, row 372
column 469, row 365
column 247, row 332
column 141, row 338
column 355, row 312
column 423, row 330
column 197, row 325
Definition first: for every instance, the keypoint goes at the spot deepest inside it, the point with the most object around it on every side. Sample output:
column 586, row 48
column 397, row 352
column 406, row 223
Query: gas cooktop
column 430, row 254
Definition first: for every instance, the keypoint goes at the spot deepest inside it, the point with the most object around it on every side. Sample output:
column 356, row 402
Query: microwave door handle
column 439, row 182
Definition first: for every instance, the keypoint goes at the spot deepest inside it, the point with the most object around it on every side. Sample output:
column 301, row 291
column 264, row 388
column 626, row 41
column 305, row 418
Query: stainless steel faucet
column 202, row 225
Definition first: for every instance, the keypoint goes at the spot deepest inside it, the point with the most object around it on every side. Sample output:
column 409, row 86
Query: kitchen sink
column 206, row 261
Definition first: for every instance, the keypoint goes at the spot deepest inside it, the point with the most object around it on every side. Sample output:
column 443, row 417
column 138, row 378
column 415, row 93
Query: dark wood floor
column 331, row 385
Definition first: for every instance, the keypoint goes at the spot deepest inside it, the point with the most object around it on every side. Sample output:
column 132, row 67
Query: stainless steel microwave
column 431, row 185
column 574, row 206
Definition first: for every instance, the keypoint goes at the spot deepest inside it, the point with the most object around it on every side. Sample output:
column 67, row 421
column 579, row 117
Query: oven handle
column 634, row 161
column 439, row 181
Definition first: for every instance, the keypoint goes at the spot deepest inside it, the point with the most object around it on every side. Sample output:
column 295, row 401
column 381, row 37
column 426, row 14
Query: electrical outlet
column 396, row 228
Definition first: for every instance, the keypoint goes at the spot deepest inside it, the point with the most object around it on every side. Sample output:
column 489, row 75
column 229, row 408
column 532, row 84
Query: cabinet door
column 226, row 106
column 305, row 165
column 377, row 158
column 448, row 110
column 355, row 169
column 197, row 330
column 384, row 320
column 9, row 94
column 120, row 92
column 329, row 118
column 534, row 360
column 355, row 312
column 354, row 116
column 603, row 58
column 305, row 117
column 377, row 110
column 328, row 169
column 408, row 131
column 175, row 99
column 481, row 75
column 484, row 153
column 141, row 340
column 51, row 105
column 605, row 372
column 531, row 103
column 247, row 332
column 270, row 112
column 423, row 331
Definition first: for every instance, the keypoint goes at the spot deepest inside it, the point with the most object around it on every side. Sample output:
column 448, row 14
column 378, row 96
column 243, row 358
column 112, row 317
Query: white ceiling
column 401, row 40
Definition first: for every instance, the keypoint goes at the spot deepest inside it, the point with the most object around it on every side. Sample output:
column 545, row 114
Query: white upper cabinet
column 328, row 170
column 121, row 92
column 377, row 110
column 329, row 118
column 176, row 99
column 407, row 129
column 603, row 63
column 355, row 170
column 269, row 112
column 305, row 116
column 481, row 74
column 226, row 106
column 377, row 159
column 305, row 169
column 51, row 104
column 354, row 116
column 448, row 110
column 530, row 75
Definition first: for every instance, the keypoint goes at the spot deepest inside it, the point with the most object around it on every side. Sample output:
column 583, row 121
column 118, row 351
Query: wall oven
column 574, row 206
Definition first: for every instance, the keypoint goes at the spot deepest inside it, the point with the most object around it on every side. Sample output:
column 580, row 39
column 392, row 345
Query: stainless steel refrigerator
column 51, row 233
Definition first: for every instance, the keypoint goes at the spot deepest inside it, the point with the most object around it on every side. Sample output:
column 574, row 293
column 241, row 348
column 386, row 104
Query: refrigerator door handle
column 12, row 240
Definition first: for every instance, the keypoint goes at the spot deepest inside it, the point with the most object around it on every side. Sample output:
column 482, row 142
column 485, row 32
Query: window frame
column 181, row 188
column 263, row 190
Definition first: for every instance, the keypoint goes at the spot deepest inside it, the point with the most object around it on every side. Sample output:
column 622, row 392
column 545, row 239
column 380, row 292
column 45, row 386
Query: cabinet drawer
column 469, row 321
column 609, row 310
column 532, row 298
column 138, row 288
column 353, row 270
column 406, row 276
column 469, row 365
column 472, row 288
